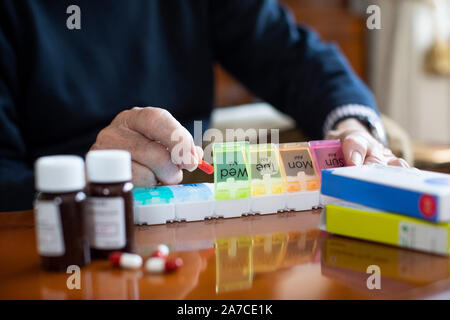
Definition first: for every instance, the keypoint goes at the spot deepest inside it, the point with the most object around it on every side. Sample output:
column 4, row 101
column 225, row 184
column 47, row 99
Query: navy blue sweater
column 60, row 87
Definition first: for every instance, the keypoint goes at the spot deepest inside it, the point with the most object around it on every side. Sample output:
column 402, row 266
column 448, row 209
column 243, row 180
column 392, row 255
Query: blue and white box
column 409, row 191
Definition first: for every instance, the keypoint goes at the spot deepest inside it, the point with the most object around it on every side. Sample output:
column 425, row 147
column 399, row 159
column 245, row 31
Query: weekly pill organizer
column 248, row 179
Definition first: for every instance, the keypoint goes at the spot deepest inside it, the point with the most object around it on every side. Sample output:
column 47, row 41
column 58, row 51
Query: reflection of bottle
column 110, row 203
column 234, row 264
column 268, row 251
column 61, row 237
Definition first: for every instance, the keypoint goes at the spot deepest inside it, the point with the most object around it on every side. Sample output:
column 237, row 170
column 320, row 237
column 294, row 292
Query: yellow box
column 356, row 221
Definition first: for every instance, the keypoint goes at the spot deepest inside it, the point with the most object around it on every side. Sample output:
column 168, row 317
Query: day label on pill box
column 50, row 239
column 232, row 165
column 264, row 163
column 106, row 223
column 422, row 237
column 297, row 160
column 330, row 158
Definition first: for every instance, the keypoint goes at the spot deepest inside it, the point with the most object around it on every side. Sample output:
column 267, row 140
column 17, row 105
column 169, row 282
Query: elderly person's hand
column 360, row 147
column 160, row 146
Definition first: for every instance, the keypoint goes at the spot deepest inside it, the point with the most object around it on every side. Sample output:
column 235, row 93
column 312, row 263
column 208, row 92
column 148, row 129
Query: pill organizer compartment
column 153, row 205
column 267, row 184
column 301, row 178
column 231, row 179
column 327, row 154
column 193, row 202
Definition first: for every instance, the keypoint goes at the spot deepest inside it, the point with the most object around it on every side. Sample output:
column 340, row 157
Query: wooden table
column 281, row 256
column 429, row 156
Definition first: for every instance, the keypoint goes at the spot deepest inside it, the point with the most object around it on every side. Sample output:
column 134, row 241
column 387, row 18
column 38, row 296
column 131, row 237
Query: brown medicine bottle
column 110, row 216
column 59, row 205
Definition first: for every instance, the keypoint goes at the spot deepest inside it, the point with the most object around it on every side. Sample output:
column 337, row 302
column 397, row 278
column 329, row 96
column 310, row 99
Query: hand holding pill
column 160, row 146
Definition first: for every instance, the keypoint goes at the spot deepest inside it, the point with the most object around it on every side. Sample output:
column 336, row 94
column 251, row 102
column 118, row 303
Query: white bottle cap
column 57, row 174
column 108, row 166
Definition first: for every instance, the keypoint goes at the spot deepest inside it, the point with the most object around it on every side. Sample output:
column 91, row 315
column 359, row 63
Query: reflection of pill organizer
column 248, row 179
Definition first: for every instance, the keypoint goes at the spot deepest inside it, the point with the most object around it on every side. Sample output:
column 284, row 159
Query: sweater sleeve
column 285, row 64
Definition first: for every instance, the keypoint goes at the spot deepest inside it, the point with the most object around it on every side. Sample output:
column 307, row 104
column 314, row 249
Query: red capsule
column 206, row 167
column 173, row 264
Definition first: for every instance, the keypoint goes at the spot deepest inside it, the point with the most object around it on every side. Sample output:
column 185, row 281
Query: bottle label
column 49, row 234
column 106, row 223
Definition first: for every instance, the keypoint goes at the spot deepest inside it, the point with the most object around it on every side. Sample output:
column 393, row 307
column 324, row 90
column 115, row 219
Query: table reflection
column 105, row 283
column 282, row 256
column 239, row 259
column 234, row 264
column 243, row 247
column 346, row 260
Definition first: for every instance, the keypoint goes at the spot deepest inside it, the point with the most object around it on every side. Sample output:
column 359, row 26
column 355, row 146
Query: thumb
column 355, row 148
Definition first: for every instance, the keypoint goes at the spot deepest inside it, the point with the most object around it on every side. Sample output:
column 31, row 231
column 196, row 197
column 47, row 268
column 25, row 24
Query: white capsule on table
column 126, row 260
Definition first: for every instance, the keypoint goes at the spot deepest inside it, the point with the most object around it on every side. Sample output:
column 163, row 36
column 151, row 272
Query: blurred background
column 406, row 63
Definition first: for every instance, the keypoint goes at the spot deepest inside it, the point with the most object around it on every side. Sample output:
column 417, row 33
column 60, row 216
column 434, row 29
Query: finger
column 159, row 125
column 181, row 154
column 199, row 152
column 148, row 153
column 377, row 153
column 374, row 160
column 388, row 153
column 142, row 176
column 399, row 162
column 155, row 157
column 333, row 134
column 355, row 148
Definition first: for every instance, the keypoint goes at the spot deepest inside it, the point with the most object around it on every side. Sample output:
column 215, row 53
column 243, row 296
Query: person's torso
column 127, row 53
